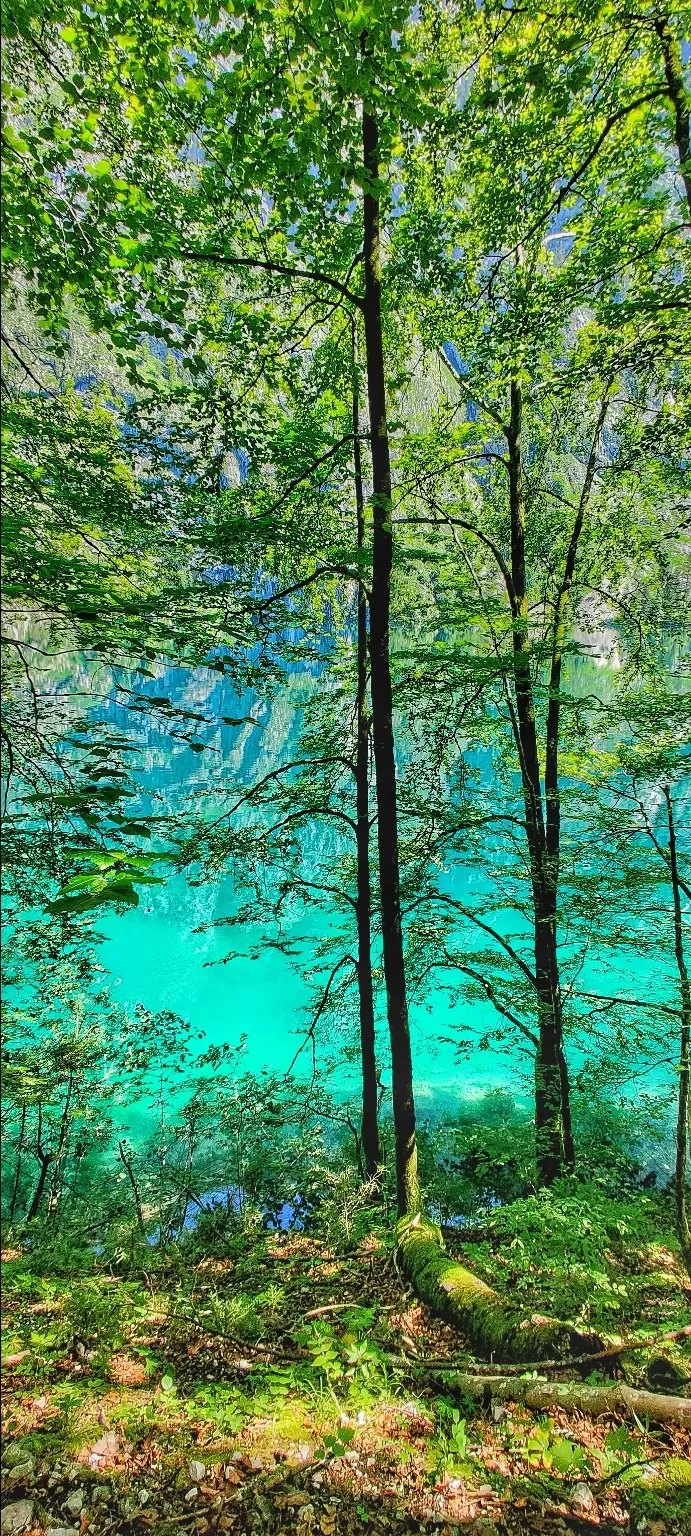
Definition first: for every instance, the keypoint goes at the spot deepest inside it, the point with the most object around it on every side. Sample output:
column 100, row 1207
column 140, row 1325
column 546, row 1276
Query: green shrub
column 96, row 1314
column 580, row 1250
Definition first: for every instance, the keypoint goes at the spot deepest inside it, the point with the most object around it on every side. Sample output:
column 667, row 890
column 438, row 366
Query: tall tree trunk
column 369, row 1126
column 407, row 1186
column 552, row 790
column 674, row 75
column 684, row 1101
column 18, row 1170
column 54, row 1197
column 566, row 1120
column 45, row 1159
column 127, row 1165
column 551, row 1079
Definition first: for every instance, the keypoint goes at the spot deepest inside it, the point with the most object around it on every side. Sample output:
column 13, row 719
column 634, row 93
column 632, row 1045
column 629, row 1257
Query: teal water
column 156, row 955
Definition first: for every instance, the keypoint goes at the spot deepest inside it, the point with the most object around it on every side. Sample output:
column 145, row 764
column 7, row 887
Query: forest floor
column 278, row 1385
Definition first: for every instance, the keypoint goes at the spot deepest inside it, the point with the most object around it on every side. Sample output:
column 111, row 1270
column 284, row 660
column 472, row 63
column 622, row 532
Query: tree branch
column 280, row 269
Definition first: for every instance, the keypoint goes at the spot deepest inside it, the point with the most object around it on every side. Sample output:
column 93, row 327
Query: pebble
column 197, row 1471
column 582, row 1498
column 75, row 1502
column 20, row 1472
column 16, row 1517
column 486, row 1491
column 318, row 1479
column 191, row 1495
column 62, row 1530
column 14, row 1455
column 106, row 1446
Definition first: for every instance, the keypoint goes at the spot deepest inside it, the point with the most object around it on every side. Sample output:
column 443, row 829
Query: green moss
column 491, row 1324
column 662, row 1499
column 678, row 1471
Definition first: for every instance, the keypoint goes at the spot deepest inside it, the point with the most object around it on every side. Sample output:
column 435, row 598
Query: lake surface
column 156, row 954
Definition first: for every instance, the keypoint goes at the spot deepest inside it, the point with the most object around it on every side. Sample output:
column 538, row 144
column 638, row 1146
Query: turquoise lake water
column 155, row 957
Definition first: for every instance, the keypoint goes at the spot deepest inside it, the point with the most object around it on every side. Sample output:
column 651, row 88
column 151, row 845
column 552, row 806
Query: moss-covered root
column 492, row 1326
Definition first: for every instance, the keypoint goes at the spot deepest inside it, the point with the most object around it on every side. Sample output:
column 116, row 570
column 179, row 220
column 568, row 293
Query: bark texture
column 674, row 76
column 407, row 1185
column 551, row 1073
column 371, row 1147
column 553, row 1129
column 491, row 1324
column 684, row 1096
column 44, row 1159
column 612, row 1398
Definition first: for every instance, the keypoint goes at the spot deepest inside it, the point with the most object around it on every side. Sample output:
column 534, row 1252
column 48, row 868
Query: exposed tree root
column 572, row 1396
column 491, row 1324
column 628, row 1346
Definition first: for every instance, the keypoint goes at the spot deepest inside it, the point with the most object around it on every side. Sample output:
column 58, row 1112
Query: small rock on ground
column 16, row 1517
column 20, row 1472
column 12, row 1454
column 583, row 1499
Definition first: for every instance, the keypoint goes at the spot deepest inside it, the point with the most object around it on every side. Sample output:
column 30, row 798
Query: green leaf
column 563, row 1455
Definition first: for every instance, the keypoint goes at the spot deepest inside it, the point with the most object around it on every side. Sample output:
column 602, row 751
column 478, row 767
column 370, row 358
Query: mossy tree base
column 492, row 1326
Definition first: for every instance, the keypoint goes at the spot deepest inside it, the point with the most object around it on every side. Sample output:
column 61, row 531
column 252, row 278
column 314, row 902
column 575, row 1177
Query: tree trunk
column 45, row 1159
column 684, row 1100
column 18, row 1171
column 552, row 787
column 407, row 1186
column 549, row 1119
column 54, row 1197
column 674, row 75
column 127, row 1165
column 369, row 1126
column 566, row 1122
column 491, row 1324
column 551, row 1081
column 612, row 1398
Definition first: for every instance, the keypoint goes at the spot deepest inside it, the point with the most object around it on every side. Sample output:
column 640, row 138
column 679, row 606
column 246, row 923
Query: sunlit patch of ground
column 312, row 1423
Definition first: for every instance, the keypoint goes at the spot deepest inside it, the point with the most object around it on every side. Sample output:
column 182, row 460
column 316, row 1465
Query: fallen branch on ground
column 610, row 1398
column 335, row 1306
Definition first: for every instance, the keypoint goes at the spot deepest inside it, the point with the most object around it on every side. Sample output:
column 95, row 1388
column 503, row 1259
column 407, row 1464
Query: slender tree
column 641, row 790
